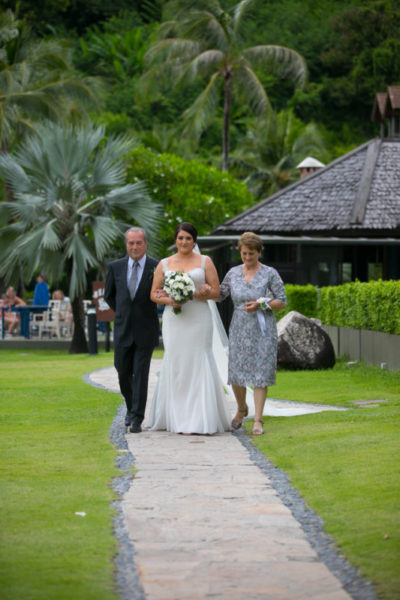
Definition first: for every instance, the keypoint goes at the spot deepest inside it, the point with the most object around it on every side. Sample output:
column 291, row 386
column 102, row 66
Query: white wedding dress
column 190, row 395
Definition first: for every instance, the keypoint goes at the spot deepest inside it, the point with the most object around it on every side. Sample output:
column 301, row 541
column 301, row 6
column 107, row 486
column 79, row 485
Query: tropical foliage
column 206, row 40
column 351, row 50
column 71, row 205
column 37, row 81
column 272, row 148
column 188, row 191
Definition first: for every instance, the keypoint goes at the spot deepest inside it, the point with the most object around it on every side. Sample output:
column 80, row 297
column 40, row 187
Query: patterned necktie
column 133, row 280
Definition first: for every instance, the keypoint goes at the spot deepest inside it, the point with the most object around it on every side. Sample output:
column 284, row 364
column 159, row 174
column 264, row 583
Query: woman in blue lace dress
column 256, row 290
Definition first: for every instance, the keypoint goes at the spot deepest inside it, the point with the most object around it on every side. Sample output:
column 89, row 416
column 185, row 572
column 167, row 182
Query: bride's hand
column 203, row 293
column 159, row 293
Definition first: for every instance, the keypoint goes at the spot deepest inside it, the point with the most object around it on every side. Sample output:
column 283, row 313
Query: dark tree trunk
column 78, row 343
column 227, row 118
column 21, row 283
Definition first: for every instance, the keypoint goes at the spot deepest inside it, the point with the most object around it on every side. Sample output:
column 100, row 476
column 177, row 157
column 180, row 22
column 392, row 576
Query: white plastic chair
column 50, row 321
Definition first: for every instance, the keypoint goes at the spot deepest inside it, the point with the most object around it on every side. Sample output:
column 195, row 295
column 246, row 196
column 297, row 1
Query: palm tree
column 267, row 156
column 206, row 40
column 37, row 81
column 70, row 206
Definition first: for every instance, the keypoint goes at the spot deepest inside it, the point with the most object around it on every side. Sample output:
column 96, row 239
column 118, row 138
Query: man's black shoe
column 135, row 428
column 128, row 418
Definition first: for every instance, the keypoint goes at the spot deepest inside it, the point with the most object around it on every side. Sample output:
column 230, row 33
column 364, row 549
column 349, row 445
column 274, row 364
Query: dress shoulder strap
column 164, row 263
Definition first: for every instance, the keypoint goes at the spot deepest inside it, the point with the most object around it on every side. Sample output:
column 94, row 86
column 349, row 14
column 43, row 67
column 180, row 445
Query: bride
column 190, row 396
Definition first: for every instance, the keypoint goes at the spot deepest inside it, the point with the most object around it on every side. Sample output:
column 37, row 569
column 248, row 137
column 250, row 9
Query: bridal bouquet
column 179, row 287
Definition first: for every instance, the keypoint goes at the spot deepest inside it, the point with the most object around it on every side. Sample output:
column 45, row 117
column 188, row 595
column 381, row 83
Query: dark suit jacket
column 136, row 321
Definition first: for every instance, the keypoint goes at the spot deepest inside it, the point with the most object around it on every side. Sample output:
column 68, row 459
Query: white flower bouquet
column 179, row 286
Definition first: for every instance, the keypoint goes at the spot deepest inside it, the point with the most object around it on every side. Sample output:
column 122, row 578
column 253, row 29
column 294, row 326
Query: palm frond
column 134, row 200
column 9, row 259
column 50, row 238
column 178, row 49
column 77, row 250
column 250, row 87
column 105, row 232
column 199, row 114
column 211, row 28
column 13, row 173
column 282, row 60
column 203, row 63
column 239, row 12
column 35, row 103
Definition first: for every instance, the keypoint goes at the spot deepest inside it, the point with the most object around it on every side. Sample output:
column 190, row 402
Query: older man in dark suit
column 136, row 329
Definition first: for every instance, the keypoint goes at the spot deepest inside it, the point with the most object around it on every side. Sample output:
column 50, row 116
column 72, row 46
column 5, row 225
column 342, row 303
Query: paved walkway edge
column 354, row 584
column 127, row 578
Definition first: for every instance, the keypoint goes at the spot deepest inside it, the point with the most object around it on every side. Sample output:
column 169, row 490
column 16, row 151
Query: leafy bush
column 188, row 190
column 374, row 305
column 301, row 298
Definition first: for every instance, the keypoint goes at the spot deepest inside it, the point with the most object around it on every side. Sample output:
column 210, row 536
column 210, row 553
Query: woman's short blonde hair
column 250, row 240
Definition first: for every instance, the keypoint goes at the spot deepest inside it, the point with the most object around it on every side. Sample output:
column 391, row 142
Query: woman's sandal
column 257, row 430
column 237, row 423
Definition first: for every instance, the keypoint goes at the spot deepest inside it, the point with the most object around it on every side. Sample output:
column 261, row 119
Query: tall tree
column 70, row 206
column 36, row 80
column 206, row 40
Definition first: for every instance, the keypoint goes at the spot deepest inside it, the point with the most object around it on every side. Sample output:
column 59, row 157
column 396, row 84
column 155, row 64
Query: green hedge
column 301, row 298
column 374, row 305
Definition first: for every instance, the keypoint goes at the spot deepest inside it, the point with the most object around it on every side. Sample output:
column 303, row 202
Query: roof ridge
column 296, row 184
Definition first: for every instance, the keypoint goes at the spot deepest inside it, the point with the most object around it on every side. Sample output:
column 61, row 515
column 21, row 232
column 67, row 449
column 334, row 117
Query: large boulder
column 303, row 344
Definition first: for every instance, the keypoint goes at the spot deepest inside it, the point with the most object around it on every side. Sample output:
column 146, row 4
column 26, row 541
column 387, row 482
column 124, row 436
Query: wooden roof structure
column 354, row 196
column 386, row 103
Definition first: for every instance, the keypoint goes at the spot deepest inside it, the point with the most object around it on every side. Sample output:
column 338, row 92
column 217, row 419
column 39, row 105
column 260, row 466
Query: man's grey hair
column 136, row 229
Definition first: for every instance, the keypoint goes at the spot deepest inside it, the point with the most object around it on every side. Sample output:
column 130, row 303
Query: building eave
column 212, row 242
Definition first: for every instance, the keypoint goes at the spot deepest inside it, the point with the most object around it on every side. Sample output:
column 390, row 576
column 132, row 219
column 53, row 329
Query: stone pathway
column 108, row 379
column 206, row 522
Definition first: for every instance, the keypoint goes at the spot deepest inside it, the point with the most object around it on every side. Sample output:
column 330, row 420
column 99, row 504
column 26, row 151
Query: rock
column 303, row 344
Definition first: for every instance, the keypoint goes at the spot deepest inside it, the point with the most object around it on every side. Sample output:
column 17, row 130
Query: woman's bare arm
column 210, row 290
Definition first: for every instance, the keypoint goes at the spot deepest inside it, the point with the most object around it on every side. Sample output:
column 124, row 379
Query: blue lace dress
column 252, row 352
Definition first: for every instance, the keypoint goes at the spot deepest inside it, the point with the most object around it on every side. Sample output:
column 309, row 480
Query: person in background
column 41, row 294
column 3, row 303
column 66, row 317
column 11, row 318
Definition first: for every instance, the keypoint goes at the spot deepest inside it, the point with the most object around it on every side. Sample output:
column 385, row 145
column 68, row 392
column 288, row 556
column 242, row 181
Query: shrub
column 188, row 190
column 374, row 305
column 301, row 298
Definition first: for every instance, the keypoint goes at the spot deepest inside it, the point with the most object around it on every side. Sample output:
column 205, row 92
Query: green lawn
column 56, row 460
column 346, row 464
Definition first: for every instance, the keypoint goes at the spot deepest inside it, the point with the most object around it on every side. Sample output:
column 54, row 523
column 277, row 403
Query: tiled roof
column 324, row 202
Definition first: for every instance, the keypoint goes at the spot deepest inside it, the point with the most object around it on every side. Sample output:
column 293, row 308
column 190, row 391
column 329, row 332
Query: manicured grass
column 340, row 386
column 346, row 464
column 56, row 460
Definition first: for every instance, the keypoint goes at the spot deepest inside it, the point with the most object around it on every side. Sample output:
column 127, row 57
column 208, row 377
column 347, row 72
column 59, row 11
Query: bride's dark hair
column 189, row 228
